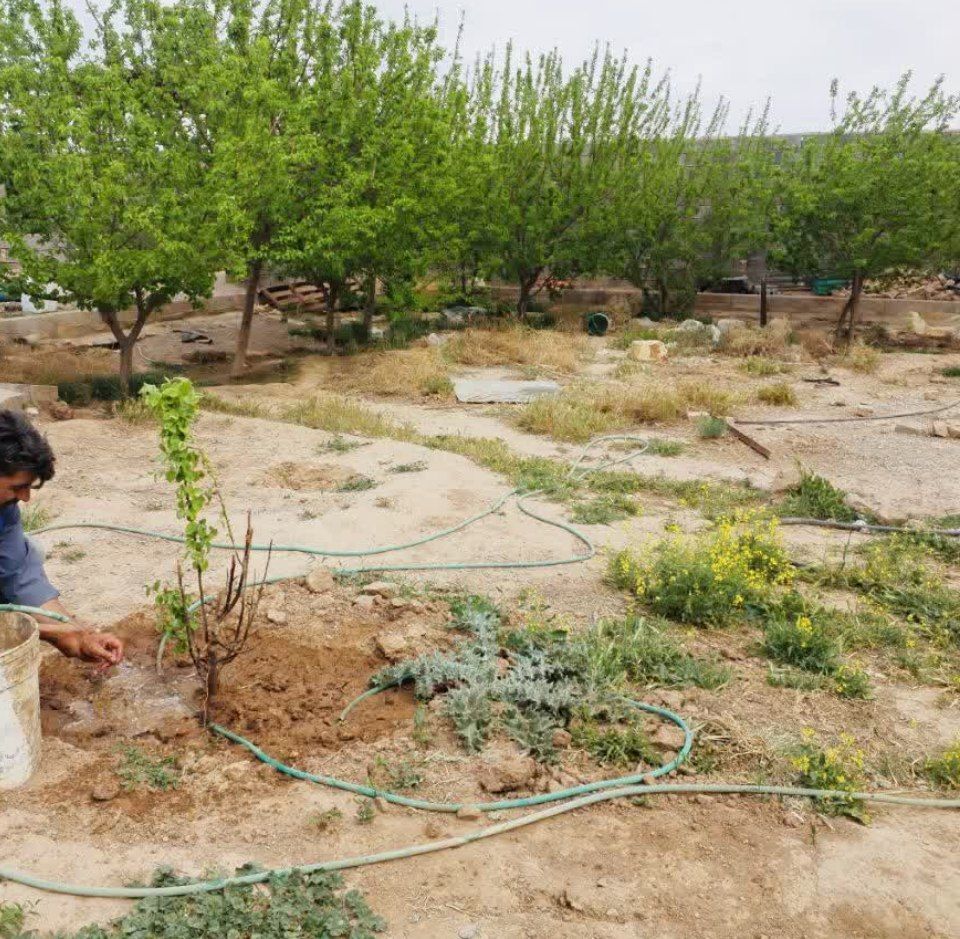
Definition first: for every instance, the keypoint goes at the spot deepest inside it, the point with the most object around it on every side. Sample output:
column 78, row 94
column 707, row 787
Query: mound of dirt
column 299, row 476
column 288, row 696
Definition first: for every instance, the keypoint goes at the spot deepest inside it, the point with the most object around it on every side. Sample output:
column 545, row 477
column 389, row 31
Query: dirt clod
column 508, row 775
column 106, row 790
column 320, row 580
column 469, row 813
column 382, row 588
column 392, row 645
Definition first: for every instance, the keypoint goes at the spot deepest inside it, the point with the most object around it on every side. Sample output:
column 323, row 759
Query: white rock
column 647, row 350
column 365, row 601
column 277, row 617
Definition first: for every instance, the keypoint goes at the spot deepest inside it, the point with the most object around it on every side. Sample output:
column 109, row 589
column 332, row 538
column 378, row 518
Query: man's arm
column 23, row 581
column 78, row 639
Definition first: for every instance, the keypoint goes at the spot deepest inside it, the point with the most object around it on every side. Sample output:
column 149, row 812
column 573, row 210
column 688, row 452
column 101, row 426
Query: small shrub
column 366, row 813
column 137, row 770
column 637, row 651
column 616, row 746
column 340, row 444
column 816, row 497
column 710, row 428
column 358, row 483
column 34, row 517
column 851, row 681
column 951, row 371
column 12, row 917
column 839, row 767
column 795, row 679
column 761, row 366
column 780, row 394
column 605, row 509
column 418, row 466
column 327, row 820
column 711, row 580
column 862, row 358
column 802, row 642
column 291, row 905
column 658, row 446
column 943, row 770
column 132, row 411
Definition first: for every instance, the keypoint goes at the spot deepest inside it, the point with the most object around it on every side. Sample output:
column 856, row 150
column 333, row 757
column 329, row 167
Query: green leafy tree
column 365, row 178
column 105, row 202
column 871, row 199
column 558, row 152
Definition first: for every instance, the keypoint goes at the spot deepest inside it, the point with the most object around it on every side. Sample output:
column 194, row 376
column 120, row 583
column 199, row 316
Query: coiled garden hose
column 570, row 799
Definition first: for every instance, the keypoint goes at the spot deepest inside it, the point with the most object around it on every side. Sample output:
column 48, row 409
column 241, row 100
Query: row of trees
column 316, row 140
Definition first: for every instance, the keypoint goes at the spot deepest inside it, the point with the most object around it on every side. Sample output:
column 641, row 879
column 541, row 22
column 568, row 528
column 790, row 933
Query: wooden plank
column 754, row 445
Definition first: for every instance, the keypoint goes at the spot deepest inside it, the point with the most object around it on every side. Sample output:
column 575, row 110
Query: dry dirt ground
column 690, row 867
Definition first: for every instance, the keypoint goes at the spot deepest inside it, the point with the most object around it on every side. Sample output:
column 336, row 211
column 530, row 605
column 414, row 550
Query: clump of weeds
column 138, row 770
column 839, row 767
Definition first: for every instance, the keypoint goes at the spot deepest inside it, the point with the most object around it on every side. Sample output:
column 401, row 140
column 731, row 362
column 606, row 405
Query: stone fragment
column 106, row 790
column 392, row 645
column 647, row 350
column 508, row 775
column 320, row 580
column 382, row 588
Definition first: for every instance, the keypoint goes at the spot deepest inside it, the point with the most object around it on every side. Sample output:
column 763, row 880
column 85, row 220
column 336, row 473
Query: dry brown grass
column 415, row 373
column 50, row 365
column 519, row 345
column 747, row 339
column 861, row 358
column 585, row 410
column 779, row 393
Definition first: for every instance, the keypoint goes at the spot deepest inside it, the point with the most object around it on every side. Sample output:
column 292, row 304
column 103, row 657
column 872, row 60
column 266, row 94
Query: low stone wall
column 802, row 309
column 69, row 324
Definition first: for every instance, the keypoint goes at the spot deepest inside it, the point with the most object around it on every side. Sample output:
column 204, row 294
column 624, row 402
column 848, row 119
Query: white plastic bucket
column 19, row 699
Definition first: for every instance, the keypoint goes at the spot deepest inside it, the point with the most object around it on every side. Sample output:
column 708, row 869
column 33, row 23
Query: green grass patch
column 779, row 394
column 358, row 483
column 624, row 745
column 418, row 466
column 33, row 517
column 138, row 770
column 710, row 428
column 761, row 366
column 816, row 497
column 951, row 371
column 605, row 509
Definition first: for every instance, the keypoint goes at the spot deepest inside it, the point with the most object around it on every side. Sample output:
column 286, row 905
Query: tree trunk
column 127, row 341
column 526, row 293
column 370, row 307
column 848, row 316
column 126, row 364
column 211, row 686
column 331, row 320
column 763, row 301
column 254, row 270
column 664, row 295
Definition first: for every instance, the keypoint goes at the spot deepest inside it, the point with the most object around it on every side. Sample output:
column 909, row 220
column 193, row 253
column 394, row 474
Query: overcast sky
column 746, row 50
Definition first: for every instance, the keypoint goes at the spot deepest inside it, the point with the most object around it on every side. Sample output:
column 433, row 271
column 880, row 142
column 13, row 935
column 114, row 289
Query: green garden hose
column 570, row 799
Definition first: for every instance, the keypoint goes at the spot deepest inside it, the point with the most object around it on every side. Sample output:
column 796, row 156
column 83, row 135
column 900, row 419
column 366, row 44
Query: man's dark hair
column 23, row 448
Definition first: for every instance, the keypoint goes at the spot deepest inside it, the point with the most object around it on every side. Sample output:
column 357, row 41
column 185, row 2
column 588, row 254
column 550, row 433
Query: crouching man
column 26, row 463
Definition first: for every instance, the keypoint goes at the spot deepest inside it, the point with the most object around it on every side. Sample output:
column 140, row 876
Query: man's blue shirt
column 22, row 578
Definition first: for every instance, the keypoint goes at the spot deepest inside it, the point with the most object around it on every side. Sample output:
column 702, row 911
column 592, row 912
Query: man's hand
column 103, row 648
